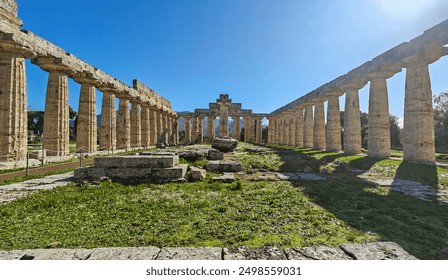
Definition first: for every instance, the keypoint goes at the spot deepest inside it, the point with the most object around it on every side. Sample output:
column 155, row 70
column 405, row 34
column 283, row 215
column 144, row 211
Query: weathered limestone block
column 379, row 119
column 124, row 125
column 316, row 253
column 247, row 128
column 178, row 171
column 56, row 118
column 319, row 126
column 308, row 127
column 13, row 109
column 193, row 155
column 108, row 132
column 224, row 144
column 145, row 128
column 56, row 254
column 264, row 253
column 86, row 131
column 333, row 127
column 136, row 126
column 186, row 253
column 223, row 166
column 197, row 174
column 352, row 123
column 214, row 154
column 418, row 140
column 212, row 166
column 377, row 251
column 144, row 161
column 125, row 253
column 225, row 178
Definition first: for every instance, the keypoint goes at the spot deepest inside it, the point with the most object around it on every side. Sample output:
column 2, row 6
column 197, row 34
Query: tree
column 441, row 120
column 36, row 122
column 395, row 132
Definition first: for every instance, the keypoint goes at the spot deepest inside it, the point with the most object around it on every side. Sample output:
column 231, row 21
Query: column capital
column 14, row 50
column 86, row 78
column 53, row 64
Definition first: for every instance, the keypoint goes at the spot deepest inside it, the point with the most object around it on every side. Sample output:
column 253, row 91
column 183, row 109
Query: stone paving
column 369, row 251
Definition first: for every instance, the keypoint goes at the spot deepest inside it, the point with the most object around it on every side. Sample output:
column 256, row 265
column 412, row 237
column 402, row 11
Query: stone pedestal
column 108, row 132
column 153, row 127
column 13, row 109
column 379, row 119
column 123, row 125
column 86, row 129
column 145, row 127
column 136, row 126
column 56, row 118
column 418, row 140
column 298, row 115
column 352, row 123
column 308, row 127
column 333, row 127
column 319, row 126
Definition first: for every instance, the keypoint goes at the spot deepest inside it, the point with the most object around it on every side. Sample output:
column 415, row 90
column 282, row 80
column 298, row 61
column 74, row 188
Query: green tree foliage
column 441, row 120
column 36, row 121
column 395, row 133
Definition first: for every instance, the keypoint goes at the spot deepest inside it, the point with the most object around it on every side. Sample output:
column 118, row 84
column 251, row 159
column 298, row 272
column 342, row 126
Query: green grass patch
column 188, row 214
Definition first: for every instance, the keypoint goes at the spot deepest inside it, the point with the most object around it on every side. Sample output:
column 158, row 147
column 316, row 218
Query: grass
column 189, row 214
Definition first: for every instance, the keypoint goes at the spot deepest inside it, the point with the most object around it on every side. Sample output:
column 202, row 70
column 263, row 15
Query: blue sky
column 264, row 53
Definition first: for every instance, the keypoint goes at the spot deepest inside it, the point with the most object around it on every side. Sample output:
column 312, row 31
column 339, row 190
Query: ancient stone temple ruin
column 223, row 108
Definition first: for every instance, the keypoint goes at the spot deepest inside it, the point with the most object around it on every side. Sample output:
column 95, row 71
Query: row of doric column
column 304, row 125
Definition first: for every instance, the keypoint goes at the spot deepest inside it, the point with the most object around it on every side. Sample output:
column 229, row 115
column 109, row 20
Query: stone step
column 147, row 161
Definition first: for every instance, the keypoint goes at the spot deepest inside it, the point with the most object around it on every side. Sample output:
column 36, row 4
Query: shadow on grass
column 421, row 228
column 422, row 173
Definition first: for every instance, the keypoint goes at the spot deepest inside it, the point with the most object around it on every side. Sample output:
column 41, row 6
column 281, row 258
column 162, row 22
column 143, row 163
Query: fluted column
column 292, row 128
column 236, row 127
column 281, row 130
column 200, row 129
column 108, row 132
column 160, row 130
column 352, row 122
column 124, row 125
column 176, row 130
column 195, row 130
column 136, row 126
column 145, row 127
column 248, row 130
column 308, row 127
column 210, row 128
column 13, row 108
column 187, row 130
column 319, row 126
column 379, row 119
column 171, row 136
column 86, row 129
column 418, row 141
column 286, row 125
column 258, row 130
column 153, row 126
column 333, row 127
column 298, row 115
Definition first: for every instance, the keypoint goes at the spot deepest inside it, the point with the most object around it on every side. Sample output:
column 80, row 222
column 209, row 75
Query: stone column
column 319, row 125
column 352, row 122
column 171, row 129
column 136, row 126
column 153, row 126
column 13, row 108
column 124, row 125
column 176, row 130
column 333, row 127
column 200, row 129
column 308, row 127
column 236, row 127
column 165, row 131
column 108, row 132
column 299, row 127
column 210, row 128
column 258, row 130
column 270, row 124
column 379, row 119
column 286, row 128
column 224, row 106
column 160, row 131
column 195, row 130
column 278, row 129
column 248, row 128
column 145, row 127
column 281, row 130
column 187, row 130
column 292, row 128
column 418, row 141
column 86, row 129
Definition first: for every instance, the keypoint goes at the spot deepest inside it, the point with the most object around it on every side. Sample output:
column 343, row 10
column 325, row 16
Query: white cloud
column 405, row 9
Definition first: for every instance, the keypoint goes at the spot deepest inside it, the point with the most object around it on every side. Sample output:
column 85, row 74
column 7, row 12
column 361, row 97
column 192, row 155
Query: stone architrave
column 145, row 127
column 136, row 126
column 210, row 128
column 124, row 125
column 236, row 127
column 153, row 126
column 258, row 130
column 56, row 117
column 299, row 127
column 319, row 126
column 333, row 127
column 379, row 119
column 108, row 129
column 352, row 122
column 86, row 129
column 200, row 129
column 13, row 109
column 418, row 140
column 187, row 130
column 308, row 127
